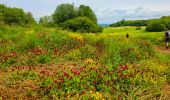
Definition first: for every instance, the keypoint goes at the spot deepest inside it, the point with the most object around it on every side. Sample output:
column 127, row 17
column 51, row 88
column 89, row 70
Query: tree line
column 66, row 16
column 152, row 25
column 124, row 22
column 81, row 19
column 15, row 16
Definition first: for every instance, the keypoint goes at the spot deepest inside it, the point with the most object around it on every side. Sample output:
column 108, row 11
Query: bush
column 138, row 28
column 81, row 24
column 124, row 22
column 64, row 12
column 15, row 16
column 86, row 11
column 155, row 27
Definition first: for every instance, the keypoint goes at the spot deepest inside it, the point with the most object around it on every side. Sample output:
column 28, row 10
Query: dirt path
column 166, row 90
column 166, row 93
column 162, row 49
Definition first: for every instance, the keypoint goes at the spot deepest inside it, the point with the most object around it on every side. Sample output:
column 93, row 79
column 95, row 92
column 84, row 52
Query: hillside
column 51, row 63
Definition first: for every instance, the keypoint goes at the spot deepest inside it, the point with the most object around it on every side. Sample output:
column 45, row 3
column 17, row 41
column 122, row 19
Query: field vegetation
column 53, row 63
column 152, row 25
column 46, row 61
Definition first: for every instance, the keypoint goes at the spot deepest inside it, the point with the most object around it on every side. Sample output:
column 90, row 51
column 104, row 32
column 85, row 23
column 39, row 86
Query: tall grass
column 156, row 38
column 131, row 66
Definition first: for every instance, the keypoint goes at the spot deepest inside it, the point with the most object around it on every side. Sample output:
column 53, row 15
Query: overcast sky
column 107, row 11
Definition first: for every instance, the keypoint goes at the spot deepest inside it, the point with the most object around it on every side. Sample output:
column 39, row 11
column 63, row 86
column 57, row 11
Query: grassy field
column 48, row 63
column 156, row 38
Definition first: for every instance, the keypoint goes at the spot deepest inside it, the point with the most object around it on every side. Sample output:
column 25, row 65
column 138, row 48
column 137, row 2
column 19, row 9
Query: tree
column 29, row 20
column 166, row 21
column 14, row 16
column 2, row 9
column 81, row 24
column 155, row 26
column 64, row 12
column 86, row 11
column 81, row 20
column 130, row 23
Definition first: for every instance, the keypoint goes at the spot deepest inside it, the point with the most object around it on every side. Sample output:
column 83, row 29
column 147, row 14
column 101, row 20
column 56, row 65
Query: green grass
column 163, row 57
column 156, row 38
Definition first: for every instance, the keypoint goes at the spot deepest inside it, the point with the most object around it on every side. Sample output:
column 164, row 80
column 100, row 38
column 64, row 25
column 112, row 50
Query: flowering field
column 45, row 63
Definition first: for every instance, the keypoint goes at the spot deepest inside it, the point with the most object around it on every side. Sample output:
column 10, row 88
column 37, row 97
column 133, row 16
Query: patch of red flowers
column 66, row 74
column 120, row 70
column 76, row 72
column 12, row 54
column 38, row 51
column 55, row 50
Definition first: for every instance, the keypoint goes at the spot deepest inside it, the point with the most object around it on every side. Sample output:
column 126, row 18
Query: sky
column 107, row 11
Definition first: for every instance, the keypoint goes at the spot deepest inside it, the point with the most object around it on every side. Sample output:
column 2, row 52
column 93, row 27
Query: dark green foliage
column 2, row 9
column 64, row 12
column 155, row 27
column 166, row 21
column 29, row 20
column 87, row 12
column 81, row 20
column 81, row 24
column 15, row 16
column 138, row 28
column 100, row 29
column 130, row 23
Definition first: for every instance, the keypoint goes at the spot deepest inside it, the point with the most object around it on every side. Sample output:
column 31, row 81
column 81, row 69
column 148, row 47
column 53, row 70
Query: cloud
column 107, row 11
column 109, row 15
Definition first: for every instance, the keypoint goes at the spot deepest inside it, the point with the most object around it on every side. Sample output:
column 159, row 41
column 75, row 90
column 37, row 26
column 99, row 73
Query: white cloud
column 109, row 15
column 107, row 11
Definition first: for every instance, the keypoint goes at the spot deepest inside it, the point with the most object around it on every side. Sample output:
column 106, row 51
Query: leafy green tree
column 86, row 11
column 64, row 12
column 14, row 16
column 2, row 9
column 166, row 21
column 130, row 23
column 67, row 15
column 29, row 20
column 155, row 26
column 81, row 24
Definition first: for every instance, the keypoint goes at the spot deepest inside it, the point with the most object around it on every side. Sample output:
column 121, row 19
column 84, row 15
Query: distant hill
column 124, row 22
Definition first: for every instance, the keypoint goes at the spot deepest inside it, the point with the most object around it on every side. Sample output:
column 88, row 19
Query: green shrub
column 86, row 11
column 155, row 27
column 64, row 12
column 138, row 28
column 81, row 24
